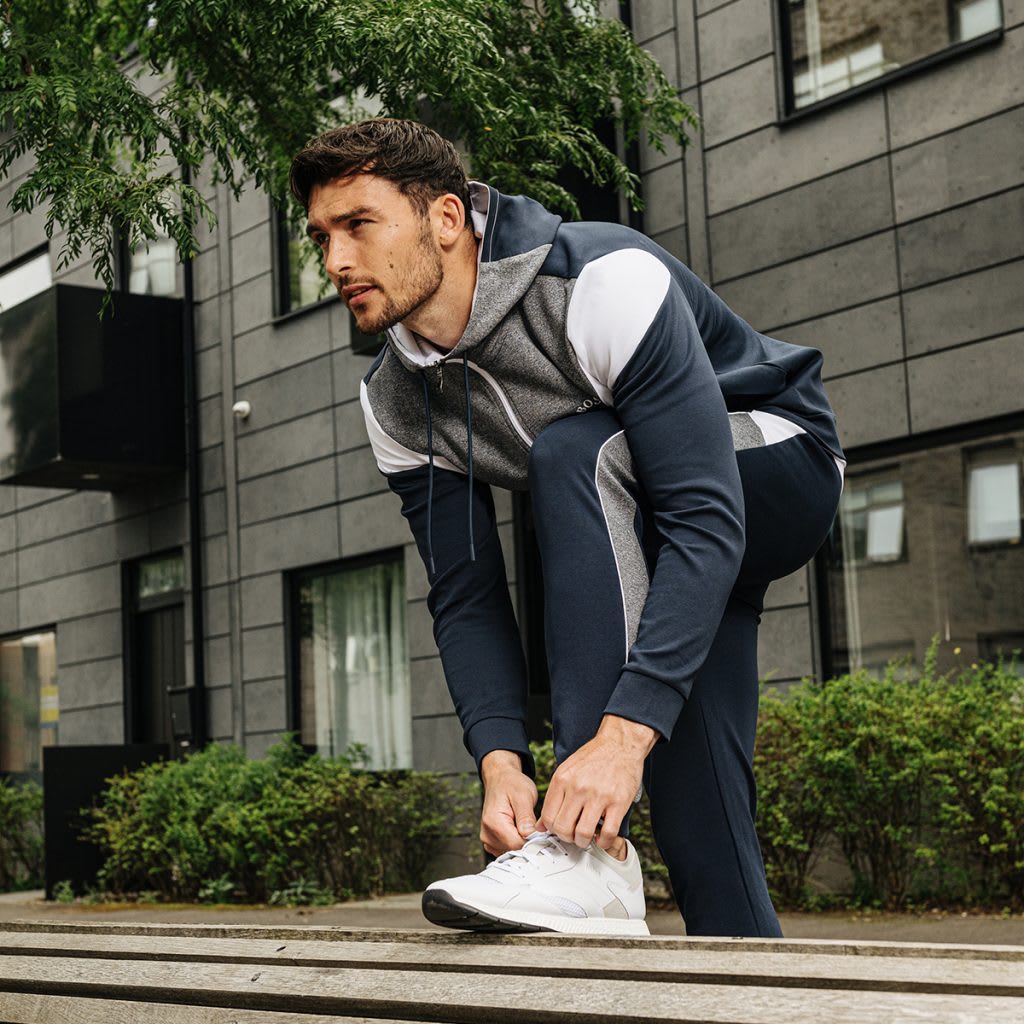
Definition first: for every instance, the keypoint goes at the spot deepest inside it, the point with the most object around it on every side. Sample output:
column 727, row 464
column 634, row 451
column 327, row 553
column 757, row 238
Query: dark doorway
column 155, row 642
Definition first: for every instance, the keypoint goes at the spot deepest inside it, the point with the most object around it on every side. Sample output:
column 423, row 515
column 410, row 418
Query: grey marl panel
column 614, row 475
column 745, row 432
column 545, row 310
column 500, row 455
column 499, row 286
column 536, row 387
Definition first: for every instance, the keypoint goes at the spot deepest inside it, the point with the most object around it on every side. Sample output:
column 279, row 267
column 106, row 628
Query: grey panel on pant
column 614, row 472
column 745, row 432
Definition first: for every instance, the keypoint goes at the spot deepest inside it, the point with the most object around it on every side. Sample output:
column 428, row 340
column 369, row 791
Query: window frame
column 977, row 457
column 889, row 474
column 279, row 239
column 122, row 262
column 292, row 580
column 788, row 113
column 978, row 431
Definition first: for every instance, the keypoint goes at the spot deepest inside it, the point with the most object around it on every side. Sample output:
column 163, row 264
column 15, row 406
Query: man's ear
column 453, row 218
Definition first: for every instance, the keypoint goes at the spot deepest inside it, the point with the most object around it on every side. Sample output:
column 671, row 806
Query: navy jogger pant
column 598, row 544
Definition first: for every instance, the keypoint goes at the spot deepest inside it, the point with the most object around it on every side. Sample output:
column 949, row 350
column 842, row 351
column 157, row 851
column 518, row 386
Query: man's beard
column 424, row 278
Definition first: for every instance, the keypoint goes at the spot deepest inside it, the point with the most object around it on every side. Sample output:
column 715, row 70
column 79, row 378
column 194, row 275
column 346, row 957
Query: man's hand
column 509, row 800
column 598, row 780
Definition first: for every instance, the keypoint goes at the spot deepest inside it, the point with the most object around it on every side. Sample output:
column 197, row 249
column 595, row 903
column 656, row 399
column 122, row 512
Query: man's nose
column 338, row 259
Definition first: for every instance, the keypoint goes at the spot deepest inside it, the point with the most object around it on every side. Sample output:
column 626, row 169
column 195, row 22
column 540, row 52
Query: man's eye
column 357, row 223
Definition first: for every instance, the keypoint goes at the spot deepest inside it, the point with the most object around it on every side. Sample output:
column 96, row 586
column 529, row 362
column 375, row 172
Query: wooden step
column 120, row 973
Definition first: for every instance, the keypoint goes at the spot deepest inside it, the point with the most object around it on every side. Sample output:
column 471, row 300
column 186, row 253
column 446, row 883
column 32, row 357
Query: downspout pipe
column 195, row 500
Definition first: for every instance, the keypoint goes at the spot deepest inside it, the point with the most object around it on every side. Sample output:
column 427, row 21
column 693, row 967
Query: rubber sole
column 440, row 907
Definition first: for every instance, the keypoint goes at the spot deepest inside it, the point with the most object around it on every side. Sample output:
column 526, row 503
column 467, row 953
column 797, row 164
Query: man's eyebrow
column 312, row 229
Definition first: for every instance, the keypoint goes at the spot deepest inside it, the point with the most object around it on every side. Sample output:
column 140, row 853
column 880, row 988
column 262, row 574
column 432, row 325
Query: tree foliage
column 109, row 101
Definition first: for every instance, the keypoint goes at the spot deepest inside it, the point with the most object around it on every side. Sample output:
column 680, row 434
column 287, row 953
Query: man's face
column 380, row 253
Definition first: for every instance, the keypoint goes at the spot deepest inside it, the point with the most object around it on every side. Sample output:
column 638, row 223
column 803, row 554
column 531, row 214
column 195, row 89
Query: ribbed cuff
column 500, row 734
column 645, row 700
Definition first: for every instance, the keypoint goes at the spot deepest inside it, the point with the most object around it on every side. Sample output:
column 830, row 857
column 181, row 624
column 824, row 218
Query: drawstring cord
column 469, row 452
column 430, row 475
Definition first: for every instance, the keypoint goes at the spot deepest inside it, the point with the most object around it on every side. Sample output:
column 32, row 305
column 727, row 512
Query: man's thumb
column 524, row 820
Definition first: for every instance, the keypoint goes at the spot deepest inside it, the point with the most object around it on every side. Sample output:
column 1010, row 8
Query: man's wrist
column 495, row 761
column 632, row 735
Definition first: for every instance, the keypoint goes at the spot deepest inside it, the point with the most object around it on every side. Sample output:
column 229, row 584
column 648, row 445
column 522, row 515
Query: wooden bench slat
column 36, row 1009
column 904, row 974
column 468, row 998
column 942, row 951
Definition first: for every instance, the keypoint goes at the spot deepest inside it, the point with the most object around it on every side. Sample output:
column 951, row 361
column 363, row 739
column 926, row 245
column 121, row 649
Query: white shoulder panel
column 614, row 302
column 391, row 456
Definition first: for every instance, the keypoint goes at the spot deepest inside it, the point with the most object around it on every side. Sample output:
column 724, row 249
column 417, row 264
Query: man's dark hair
column 419, row 161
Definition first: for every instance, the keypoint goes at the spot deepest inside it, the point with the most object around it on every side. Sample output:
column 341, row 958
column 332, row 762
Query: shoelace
column 517, row 862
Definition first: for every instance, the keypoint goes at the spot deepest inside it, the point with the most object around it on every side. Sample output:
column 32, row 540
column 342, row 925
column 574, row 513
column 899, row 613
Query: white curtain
column 361, row 665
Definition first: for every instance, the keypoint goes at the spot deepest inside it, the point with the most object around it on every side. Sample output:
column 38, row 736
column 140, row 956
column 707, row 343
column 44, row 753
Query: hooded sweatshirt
column 569, row 317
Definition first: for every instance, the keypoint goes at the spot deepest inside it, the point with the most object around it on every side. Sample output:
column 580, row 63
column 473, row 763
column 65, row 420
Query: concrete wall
column 884, row 230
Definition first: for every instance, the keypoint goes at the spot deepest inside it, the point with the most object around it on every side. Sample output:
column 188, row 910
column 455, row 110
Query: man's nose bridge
column 338, row 254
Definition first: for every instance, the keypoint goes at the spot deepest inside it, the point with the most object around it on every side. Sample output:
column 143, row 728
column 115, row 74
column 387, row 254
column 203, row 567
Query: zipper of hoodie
column 502, row 397
column 506, row 404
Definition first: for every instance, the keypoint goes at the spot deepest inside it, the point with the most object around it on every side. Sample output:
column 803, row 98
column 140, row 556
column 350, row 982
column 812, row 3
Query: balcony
column 91, row 404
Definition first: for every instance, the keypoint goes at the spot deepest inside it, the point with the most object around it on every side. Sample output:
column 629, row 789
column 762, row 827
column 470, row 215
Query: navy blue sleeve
column 474, row 624
column 677, row 427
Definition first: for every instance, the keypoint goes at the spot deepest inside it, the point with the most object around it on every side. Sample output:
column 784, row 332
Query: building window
column 151, row 270
column 994, row 497
column 872, row 516
column 832, row 46
column 300, row 280
column 351, row 662
column 927, row 544
column 29, row 710
column 25, row 278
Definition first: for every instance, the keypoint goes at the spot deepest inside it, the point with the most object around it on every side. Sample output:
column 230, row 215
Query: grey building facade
column 858, row 187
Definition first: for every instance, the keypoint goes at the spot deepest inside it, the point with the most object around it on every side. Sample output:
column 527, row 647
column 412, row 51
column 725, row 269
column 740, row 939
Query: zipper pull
column 440, row 376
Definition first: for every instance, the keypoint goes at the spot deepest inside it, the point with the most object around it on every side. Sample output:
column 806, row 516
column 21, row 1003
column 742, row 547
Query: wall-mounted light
column 242, row 409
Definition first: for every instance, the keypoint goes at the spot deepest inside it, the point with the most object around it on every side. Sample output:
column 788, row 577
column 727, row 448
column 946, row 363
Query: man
column 677, row 461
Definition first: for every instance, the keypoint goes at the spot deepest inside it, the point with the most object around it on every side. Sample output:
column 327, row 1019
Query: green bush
column 218, row 826
column 21, row 835
column 920, row 782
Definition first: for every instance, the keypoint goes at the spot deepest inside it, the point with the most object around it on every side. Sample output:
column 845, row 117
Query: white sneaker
column 547, row 886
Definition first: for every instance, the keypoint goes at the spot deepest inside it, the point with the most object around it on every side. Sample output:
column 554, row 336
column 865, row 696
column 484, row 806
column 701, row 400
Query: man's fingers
column 609, row 828
column 586, row 826
column 564, row 825
column 552, row 803
column 500, row 831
